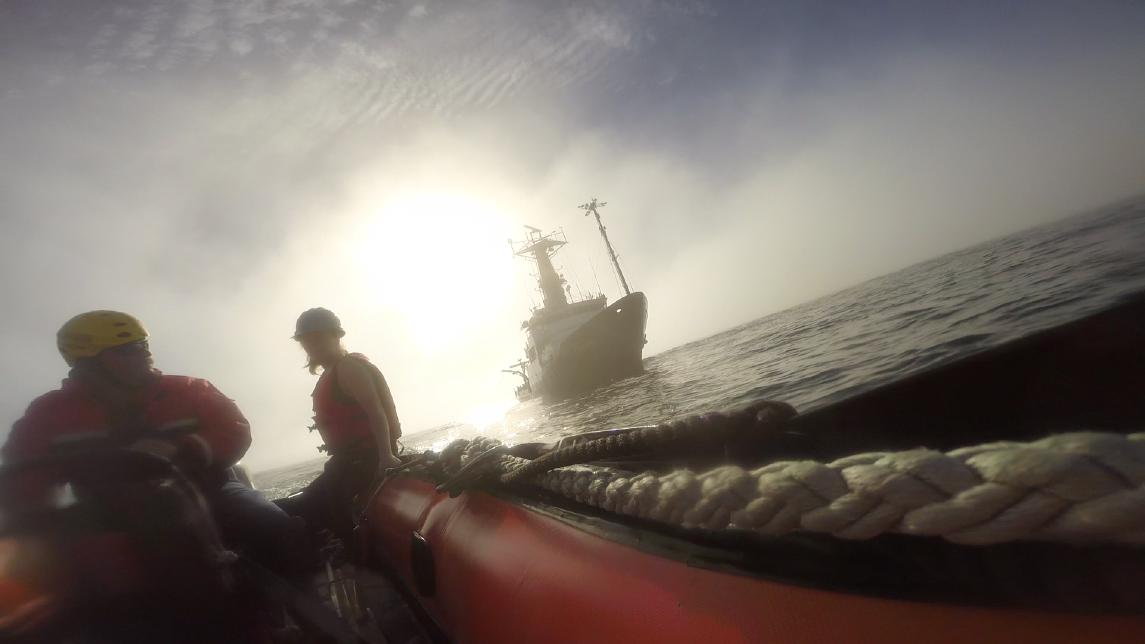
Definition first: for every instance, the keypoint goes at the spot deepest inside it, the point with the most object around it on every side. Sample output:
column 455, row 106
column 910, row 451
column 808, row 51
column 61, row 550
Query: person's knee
column 248, row 515
column 274, row 525
column 265, row 531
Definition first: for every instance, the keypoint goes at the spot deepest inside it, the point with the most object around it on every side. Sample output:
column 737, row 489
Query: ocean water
column 836, row 346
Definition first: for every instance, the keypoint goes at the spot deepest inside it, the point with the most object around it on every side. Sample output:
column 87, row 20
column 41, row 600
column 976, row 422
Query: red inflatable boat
column 498, row 563
column 495, row 570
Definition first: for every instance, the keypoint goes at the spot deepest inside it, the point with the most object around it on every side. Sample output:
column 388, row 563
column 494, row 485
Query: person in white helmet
column 355, row 415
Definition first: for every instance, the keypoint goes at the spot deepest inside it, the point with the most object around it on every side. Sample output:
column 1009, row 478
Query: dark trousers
column 261, row 530
column 327, row 503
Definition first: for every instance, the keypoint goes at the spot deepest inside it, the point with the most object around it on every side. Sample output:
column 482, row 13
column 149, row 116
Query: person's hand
column 395, row 434
column 386, row 460
column 156, row 447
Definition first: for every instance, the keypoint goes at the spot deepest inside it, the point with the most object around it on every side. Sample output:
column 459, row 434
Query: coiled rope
column 1084, row 487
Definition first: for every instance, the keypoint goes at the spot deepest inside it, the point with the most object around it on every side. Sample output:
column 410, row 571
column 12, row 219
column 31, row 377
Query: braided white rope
column 1077, row 487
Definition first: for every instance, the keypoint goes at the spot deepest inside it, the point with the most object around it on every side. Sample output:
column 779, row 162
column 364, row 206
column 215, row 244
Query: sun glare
column 441, row 261
column 482, row 418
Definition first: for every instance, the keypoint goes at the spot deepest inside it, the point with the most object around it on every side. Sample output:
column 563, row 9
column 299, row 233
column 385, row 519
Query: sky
column 216, row 168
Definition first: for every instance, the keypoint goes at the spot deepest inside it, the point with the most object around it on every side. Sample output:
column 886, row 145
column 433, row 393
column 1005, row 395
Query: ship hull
column 606, row 348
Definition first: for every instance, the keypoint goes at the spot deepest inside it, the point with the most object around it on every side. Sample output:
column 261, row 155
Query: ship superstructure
column 572, row 346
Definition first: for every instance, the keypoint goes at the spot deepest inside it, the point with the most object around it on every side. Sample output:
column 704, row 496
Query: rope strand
column 677, row 437
column 1083, row 487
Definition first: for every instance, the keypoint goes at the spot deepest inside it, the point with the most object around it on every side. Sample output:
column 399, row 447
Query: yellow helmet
column 85, row 335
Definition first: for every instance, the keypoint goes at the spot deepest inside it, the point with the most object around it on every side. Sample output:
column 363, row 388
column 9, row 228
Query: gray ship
column 571, row 346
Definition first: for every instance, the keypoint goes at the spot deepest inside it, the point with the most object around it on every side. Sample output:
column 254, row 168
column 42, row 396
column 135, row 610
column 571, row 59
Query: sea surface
column 836, row 346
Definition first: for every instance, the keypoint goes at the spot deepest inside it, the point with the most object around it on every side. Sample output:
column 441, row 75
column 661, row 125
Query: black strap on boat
column 390, row 474
column 680, row 437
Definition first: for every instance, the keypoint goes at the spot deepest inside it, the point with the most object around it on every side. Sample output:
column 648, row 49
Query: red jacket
column 223, row 437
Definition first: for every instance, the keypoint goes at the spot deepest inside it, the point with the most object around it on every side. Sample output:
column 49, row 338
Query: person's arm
column 391, row 411
column 224, row 433
column 30, row 438
column 354, row 378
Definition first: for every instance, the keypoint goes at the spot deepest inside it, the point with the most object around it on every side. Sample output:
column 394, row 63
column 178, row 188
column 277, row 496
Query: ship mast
column 518, row 369
column 591, row 207
column 541, row 247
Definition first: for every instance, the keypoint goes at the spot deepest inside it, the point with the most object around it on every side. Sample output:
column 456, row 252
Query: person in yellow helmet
column 112, row 387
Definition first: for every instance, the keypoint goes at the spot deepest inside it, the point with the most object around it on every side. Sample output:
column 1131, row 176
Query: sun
column 441, row 261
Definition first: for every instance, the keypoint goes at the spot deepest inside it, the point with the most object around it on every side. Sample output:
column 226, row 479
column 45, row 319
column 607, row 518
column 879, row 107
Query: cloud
column 217, row 168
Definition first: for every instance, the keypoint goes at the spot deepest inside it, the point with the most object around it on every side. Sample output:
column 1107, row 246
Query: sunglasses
column 139, row 347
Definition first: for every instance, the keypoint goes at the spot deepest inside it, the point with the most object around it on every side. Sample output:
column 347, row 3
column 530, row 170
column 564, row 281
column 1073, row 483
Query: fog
column 216, row 168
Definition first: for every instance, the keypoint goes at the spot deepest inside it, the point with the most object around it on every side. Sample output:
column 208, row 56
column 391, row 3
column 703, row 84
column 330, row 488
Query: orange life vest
column 340, row 420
